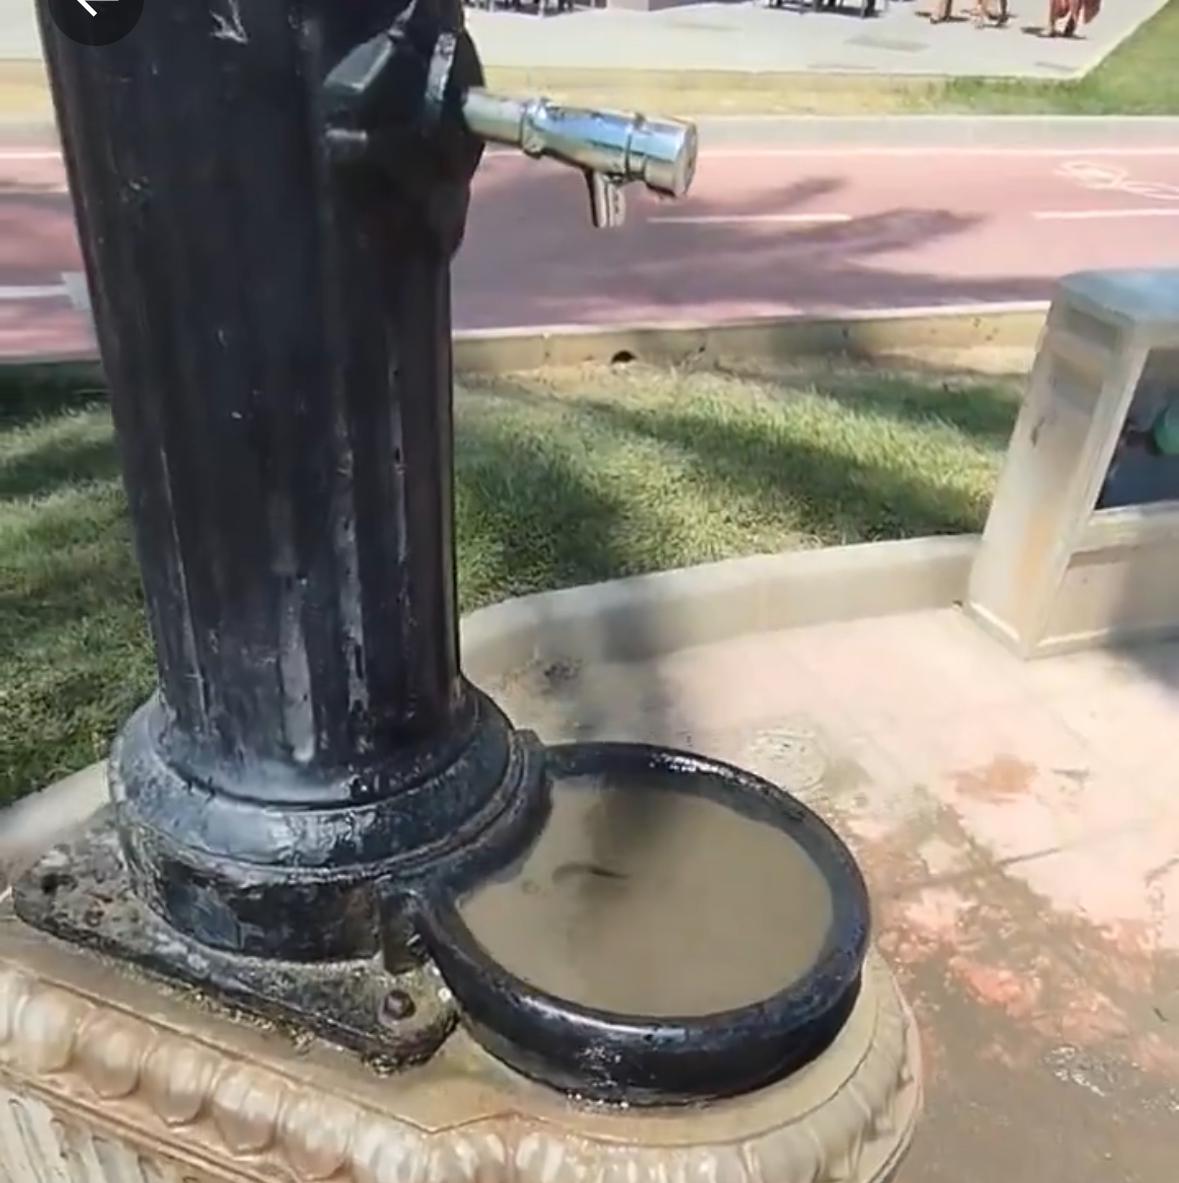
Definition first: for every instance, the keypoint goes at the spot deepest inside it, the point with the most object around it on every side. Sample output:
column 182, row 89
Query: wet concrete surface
column 1019, row 828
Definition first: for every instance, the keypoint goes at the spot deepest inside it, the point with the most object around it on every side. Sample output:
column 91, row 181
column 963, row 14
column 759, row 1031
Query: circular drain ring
column 648, row 1060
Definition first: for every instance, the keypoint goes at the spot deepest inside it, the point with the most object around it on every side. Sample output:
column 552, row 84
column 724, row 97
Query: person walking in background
column 1072, row 12
column 995, row 12
column 985, row 11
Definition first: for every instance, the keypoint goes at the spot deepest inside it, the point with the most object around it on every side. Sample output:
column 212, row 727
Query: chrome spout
column 611, row 147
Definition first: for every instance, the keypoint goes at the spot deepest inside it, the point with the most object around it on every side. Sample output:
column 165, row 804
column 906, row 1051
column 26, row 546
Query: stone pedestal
column 1057, row 569
column 106, row 1077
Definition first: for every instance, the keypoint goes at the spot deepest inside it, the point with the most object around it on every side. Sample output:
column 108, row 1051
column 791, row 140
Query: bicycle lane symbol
column 1112, row 178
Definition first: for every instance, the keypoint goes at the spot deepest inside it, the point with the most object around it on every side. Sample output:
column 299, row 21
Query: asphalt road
column 767, row 231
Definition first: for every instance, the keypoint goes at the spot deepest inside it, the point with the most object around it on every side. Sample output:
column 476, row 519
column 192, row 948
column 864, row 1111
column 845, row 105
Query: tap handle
column 607, row 201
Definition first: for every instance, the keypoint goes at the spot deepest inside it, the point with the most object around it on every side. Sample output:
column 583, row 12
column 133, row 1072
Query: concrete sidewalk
column 19, row 40
column 1019, row 827
column 914, row 133
column 750, row 37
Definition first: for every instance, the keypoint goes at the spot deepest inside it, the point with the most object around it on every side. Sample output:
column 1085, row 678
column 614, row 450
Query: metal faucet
column 390, row 81
column 610, row 147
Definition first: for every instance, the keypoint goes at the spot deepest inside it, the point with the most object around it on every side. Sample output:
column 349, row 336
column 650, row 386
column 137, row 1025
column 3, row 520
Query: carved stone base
column 106, row 1077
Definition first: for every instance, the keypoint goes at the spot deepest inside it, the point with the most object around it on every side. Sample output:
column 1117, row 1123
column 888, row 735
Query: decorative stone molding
column 93, row 1092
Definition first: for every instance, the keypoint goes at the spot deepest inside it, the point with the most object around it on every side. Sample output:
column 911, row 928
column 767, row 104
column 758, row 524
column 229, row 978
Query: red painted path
column 766, row 232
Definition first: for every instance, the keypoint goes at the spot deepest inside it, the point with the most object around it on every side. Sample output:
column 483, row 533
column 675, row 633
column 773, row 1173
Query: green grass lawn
column 1141, row 77
column 564, row 477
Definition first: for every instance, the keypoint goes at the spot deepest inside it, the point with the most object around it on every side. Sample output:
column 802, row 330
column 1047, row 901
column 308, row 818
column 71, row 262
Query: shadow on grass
column 984, row 411
column 846, row 499
column 32, row 393
column 74, row 648
column 68, row 562
column 527, row 521
column 836, row 496
column 55, row 464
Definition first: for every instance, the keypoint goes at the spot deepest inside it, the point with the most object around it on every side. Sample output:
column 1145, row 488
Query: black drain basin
column 678, row 930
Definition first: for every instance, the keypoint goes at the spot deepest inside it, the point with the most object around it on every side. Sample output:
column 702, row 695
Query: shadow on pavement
column 563, row 272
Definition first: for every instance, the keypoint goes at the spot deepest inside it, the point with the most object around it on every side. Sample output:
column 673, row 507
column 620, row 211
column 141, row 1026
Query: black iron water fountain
column 317, row 817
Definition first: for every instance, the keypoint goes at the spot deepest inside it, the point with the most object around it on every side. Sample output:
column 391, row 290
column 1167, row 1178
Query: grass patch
column 722, row 92
column 1139, row 78
column 564, row 477
column 73, row 650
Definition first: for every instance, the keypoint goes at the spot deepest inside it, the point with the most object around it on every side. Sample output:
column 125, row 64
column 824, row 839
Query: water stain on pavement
column 1003, row 778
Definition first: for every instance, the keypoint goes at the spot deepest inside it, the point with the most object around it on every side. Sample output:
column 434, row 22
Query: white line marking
column 73, row 287
column 33, row 189
column 77, row 288
column 896, row 312
column 16, row 154
column 33, row 291
column 725, row 219
column 1082, row 215
column 1103, row 178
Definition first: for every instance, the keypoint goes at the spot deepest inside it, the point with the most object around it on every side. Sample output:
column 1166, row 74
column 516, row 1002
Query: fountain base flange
column 119, row 1076
column 80, row 892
